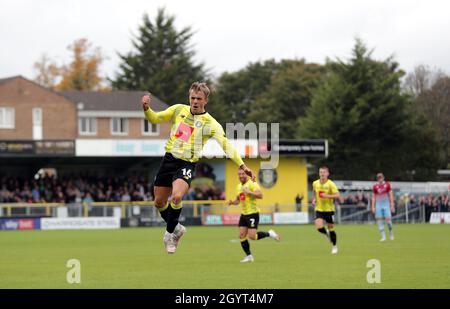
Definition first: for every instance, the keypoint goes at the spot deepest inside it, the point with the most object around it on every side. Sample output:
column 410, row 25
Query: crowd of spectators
column 360, row 199
column 85, row 189
column 82, row 188
column 356, row 202
column 74, row 189
column 416, row 205
column 422, row 204
column 204, row 193
column 436, row 203
column 431, row 203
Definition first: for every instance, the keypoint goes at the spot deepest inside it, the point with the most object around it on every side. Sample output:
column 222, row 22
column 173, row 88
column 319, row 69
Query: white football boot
column 169, row 243
column 334, row 250
column 274, row 235
column 179, row 232
column 247, row 259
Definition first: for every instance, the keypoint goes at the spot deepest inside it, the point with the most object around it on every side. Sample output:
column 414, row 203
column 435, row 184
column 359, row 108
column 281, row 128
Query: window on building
column 119, row 126
column 7, row 118
column 149, row 128
column 87, row 126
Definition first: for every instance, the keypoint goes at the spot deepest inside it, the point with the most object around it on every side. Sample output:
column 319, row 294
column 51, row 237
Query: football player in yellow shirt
column 325, row 192
column 191, row 128
column 248, row 191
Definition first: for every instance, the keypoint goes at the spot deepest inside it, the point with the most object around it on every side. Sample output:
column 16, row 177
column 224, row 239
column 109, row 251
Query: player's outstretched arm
column 248, row 171
column 334, row 193
column 234, row 202
column 156, row 117
column 219, row 135
column 256, row 194
column 313, row 201
column 333, row 196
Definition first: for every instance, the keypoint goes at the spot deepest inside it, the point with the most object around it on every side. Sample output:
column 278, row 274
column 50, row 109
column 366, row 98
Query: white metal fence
column 351, row 214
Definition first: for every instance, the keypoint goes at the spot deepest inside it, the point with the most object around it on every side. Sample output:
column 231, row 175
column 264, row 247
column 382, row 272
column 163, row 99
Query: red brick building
column 29, row 111
column 75, row 130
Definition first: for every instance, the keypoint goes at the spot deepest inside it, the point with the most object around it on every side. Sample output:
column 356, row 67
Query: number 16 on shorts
column 187, row 172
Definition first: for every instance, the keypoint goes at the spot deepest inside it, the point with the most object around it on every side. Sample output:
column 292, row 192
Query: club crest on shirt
column 198, row 124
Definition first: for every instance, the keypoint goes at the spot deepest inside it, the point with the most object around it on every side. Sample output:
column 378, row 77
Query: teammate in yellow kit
column 191, row 128
column 248, row 192
column 325, row 192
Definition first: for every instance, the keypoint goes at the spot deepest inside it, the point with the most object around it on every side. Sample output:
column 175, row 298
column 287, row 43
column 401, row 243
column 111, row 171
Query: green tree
column 434, row 104
column 268, row 91
column 287, row 96
column 430, row 90
column 235, row 93
column 162, row 61
column 369, row 122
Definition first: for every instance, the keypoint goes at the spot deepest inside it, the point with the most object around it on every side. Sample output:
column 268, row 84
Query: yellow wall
column 292, row 179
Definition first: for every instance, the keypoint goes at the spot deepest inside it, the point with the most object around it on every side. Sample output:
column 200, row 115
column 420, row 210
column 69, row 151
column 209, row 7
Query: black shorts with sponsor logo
column 172, row 168
column 328, row 216
column 250, row 221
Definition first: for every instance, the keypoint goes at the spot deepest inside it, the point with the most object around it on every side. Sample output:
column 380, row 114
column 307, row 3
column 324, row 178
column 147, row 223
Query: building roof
column 20, row 77
column 103, row 101
column 112, row 101
column 7, row 79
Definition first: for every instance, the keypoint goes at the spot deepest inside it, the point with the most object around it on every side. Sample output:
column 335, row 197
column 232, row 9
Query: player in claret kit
column 191, row 128
column 383, row 205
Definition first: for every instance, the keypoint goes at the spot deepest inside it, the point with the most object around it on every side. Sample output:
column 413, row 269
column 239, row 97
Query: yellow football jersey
column 189, row 133
column 247, row 202
column 324, row 204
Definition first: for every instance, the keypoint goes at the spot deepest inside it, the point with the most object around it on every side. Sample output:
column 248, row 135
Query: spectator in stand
column 298, row 202
column 17, row 198
column 190, row 195
column 88, row 198
column 413, row 209
column 434, row 203
column 100, row 196
column 125, row 196
column 442, row 203
column 60, row 198
column 429, row 207
column 199, row 195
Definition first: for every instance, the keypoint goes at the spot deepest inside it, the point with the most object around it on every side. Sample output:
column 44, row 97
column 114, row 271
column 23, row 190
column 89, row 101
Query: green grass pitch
column 208, row 257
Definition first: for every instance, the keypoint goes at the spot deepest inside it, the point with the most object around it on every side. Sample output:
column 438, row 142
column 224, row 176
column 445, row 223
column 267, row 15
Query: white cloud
column 231, row 33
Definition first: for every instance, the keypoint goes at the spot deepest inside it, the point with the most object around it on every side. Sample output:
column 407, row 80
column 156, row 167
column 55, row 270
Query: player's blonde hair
column 203, row 87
